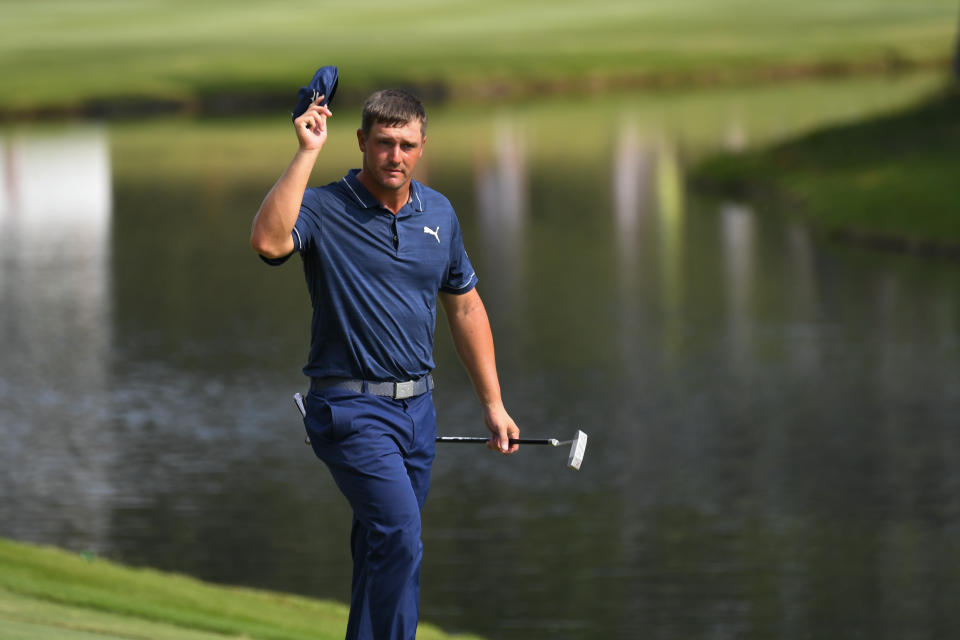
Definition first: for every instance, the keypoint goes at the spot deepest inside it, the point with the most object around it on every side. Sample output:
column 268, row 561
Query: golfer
column 378, row 250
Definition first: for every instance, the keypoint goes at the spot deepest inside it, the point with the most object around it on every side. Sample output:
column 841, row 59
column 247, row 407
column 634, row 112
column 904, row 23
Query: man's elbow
column 269, row 248
column 259, row 244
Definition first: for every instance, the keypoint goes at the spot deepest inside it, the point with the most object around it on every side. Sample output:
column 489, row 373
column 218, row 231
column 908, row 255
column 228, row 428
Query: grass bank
column 58, row 57
column 47, row 594
column 889, row 181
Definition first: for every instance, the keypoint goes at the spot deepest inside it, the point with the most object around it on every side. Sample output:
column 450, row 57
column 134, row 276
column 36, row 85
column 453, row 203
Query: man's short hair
column 392, row 107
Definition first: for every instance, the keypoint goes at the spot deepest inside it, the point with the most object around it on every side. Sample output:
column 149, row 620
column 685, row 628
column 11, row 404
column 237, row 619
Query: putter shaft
column 553, row 442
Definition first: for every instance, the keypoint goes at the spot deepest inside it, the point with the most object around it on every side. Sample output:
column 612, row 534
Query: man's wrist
column 308, row 152
column 493, row 409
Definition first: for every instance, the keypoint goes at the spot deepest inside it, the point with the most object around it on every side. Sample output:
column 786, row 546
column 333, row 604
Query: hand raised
column 311, row 126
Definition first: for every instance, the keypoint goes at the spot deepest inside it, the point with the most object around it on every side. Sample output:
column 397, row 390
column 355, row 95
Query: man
column 378, row 249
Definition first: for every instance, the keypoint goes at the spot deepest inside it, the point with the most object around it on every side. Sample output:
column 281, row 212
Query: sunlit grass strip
column 889, row 180
column 57, row 53
column 49, row 593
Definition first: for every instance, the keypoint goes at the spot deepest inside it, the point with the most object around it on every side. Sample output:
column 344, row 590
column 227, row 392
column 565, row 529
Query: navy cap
column 324, row 83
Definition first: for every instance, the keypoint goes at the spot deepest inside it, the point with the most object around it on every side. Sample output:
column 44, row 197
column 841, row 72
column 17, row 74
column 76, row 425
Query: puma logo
column 435, row 233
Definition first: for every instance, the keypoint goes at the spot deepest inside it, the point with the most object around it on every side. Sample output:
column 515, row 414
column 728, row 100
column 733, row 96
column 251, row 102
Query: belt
column 395, row 390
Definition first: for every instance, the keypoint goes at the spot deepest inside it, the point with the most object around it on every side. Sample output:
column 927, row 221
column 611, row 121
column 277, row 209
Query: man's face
column 390, row 153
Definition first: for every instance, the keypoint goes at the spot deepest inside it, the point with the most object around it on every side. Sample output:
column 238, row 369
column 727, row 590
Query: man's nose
column 395, row 154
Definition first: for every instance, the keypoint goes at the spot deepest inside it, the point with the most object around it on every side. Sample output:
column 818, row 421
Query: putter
column 578, row 445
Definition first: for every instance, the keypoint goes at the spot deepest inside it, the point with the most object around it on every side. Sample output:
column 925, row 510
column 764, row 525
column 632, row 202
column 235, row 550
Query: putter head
column 577, row 448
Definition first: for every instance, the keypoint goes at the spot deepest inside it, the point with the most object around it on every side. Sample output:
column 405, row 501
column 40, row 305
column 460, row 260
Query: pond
column 772, row 417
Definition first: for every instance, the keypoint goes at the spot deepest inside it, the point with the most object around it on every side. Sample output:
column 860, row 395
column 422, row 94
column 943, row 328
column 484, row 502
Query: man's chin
column 393, row 180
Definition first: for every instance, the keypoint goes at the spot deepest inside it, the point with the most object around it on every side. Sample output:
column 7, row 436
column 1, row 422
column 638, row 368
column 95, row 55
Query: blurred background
column 719, row 236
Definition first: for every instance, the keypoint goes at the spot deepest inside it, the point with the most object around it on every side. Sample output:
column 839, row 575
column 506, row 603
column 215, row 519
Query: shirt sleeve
column 461, row 277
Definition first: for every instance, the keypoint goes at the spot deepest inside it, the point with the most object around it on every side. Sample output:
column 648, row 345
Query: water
column 772, row 417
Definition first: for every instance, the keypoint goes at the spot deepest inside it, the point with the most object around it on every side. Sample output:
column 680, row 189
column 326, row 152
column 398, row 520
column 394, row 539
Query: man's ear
column 361, row 141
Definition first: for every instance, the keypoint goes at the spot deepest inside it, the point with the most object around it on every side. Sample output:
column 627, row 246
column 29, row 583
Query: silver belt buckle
column 404, row 390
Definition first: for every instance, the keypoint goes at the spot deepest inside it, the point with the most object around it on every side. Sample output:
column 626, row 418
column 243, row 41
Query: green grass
column 60, row 53
column 890, row 179
column 46, row 593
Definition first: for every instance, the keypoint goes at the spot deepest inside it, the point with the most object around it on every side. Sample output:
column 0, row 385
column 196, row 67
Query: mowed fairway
column 58, row 53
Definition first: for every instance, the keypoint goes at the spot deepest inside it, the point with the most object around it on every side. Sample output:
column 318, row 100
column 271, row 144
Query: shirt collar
column 366, row 200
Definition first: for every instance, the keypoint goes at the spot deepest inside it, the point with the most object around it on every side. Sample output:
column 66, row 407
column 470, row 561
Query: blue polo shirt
column 373, row 278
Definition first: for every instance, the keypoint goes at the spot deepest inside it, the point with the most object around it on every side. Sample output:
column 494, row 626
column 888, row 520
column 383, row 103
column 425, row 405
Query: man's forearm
column 473, row 340
column 273, row 224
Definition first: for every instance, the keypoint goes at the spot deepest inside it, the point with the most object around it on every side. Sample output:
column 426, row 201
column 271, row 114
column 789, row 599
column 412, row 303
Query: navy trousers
column 379, row 452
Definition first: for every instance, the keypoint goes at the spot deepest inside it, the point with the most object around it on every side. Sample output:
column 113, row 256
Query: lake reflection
column 772, row 419
column 55, row 287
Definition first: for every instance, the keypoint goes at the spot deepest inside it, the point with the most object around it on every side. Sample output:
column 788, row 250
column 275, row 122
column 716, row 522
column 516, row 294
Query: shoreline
column 860, row 184
column 224, row 104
